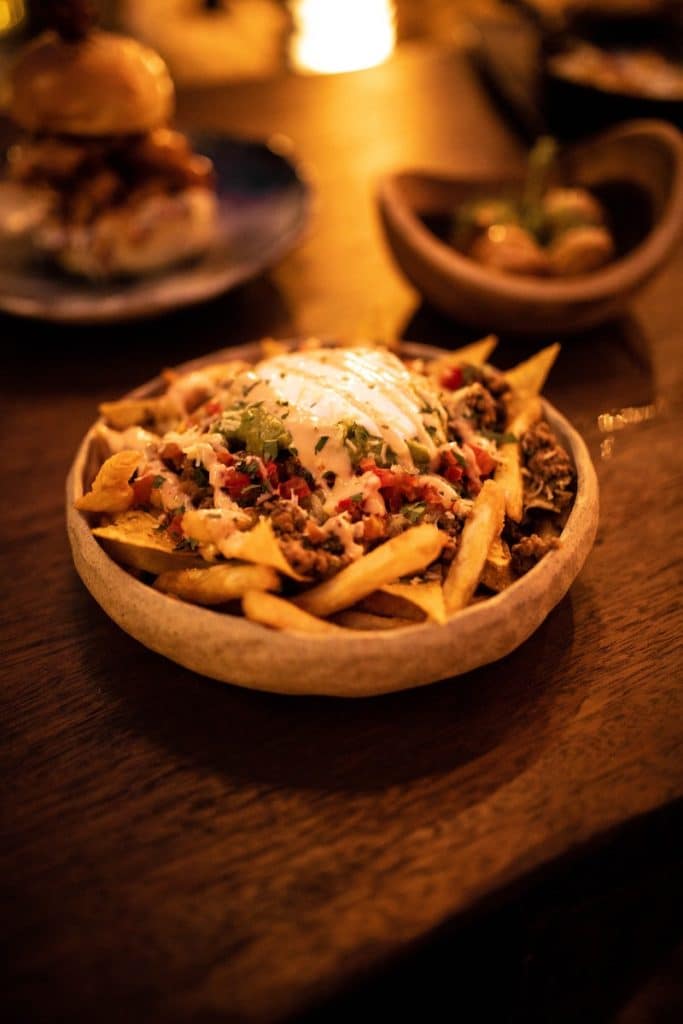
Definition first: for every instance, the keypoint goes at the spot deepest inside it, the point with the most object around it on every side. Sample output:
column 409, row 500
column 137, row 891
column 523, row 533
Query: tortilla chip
column 527, row 379
column 134, row 539
column 260, row 546
column 111, row 491
column 426, row 596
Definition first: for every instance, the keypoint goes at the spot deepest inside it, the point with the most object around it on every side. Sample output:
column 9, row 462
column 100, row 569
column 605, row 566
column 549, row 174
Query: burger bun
column 104, row 84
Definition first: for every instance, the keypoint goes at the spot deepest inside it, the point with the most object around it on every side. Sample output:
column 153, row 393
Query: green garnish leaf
column 187, row 544
column 499, row 438
column 158, row 481
column 414, row 511
column 321, row 442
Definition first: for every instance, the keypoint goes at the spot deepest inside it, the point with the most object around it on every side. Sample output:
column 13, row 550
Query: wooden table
column 176, row 849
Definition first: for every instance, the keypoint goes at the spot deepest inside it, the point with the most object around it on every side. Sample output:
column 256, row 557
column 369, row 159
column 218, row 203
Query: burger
column 98, row 181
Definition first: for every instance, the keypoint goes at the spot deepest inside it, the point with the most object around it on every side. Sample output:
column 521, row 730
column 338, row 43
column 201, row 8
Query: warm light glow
column 11, row 13
column 342, row 35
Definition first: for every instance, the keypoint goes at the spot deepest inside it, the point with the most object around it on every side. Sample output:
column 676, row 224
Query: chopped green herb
column 158, row 481
column 187, row 544
column 330, row 478
column 494, row 435
column 321, row 442
column 357, row 498
column 414, row 511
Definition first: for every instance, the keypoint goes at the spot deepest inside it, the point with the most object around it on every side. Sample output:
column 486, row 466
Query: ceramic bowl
column 360, row 663
column 637, row 172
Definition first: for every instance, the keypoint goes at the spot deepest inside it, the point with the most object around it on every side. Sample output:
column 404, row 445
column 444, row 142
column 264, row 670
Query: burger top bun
column 103, row 84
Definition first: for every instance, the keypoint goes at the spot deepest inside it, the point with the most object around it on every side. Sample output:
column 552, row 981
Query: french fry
column 426, row 596
column 497, row 574
column 277, row 613
column 217, row 584
column 133, row 538
column 526, row 380
column 353, row 619
column 111, row 491
column 408, row 553
column 483, row 526
column 508, row 474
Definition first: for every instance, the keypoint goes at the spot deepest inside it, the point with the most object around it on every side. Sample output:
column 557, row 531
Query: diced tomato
column 450, row 467
column 235, row 482
column 395, row 487
column 354, row 508
column 271, row 473
column 485, row 463
column 452, row 379
column 142, row 489
column 296, row 486
column 212, row 408
column 175, row 527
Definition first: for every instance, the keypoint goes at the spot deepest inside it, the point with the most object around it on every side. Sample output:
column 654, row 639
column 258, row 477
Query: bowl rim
column 621, row 275
column 355, row 664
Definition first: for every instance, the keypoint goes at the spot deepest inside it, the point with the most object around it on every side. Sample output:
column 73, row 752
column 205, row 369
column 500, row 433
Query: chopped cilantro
column 494, row 435
column 321, row 442
column 330, row 478
column 413, row 511
column 187, row 544
column 357, row 498
column 158, row 481
column 361, row 443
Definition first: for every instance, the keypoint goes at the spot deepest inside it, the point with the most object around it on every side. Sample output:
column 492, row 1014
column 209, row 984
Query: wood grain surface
column 176, row 849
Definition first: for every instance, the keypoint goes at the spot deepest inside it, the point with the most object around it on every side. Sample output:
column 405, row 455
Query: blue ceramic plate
column 264, row 207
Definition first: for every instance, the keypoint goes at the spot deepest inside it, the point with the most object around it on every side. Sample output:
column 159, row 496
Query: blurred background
column 569, row 66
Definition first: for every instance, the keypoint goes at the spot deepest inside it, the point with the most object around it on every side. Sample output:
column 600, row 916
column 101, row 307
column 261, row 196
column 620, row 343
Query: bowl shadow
column 481, row 729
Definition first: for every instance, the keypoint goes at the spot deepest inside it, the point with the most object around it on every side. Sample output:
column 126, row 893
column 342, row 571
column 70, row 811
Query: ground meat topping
column 529, row 550
column 549, row 477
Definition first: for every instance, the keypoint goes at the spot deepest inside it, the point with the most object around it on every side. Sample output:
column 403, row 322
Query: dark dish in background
column 635, row 171
column 595, row 64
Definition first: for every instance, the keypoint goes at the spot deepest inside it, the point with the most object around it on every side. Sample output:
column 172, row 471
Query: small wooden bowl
column 635, row 169
column 352, row 664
